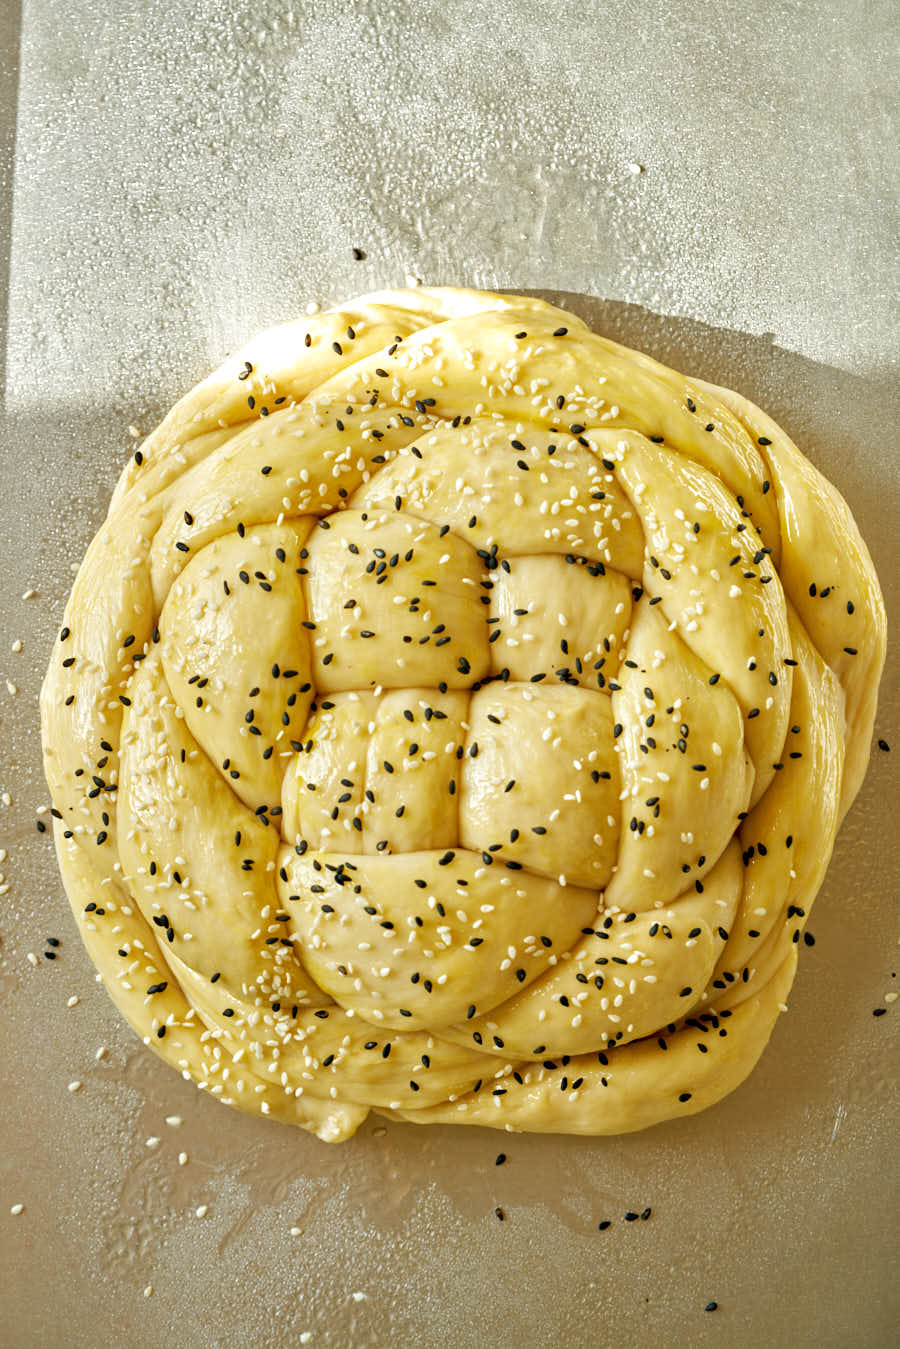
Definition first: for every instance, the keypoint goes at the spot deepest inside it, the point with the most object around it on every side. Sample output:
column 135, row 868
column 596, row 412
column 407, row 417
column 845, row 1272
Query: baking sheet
column 704, row 179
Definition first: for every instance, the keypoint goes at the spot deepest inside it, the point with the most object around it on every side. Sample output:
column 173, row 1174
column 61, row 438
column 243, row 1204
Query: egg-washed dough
column 453, row 718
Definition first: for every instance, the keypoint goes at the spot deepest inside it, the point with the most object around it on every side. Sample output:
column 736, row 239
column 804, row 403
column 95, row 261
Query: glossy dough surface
column 453, row 717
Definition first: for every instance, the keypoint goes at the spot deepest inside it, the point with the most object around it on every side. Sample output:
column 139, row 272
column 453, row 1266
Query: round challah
column 453, row 717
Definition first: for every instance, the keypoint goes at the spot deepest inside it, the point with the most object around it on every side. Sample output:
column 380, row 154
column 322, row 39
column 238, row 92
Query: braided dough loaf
column 453, row 718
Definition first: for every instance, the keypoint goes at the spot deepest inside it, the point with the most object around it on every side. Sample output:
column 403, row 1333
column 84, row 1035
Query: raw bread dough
column 453, row 717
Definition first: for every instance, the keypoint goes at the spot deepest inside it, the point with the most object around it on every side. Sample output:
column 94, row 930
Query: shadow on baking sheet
column 812, row 1084
column 10, row 26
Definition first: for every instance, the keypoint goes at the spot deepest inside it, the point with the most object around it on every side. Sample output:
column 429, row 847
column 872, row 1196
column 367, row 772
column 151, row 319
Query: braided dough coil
column 453, row 717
